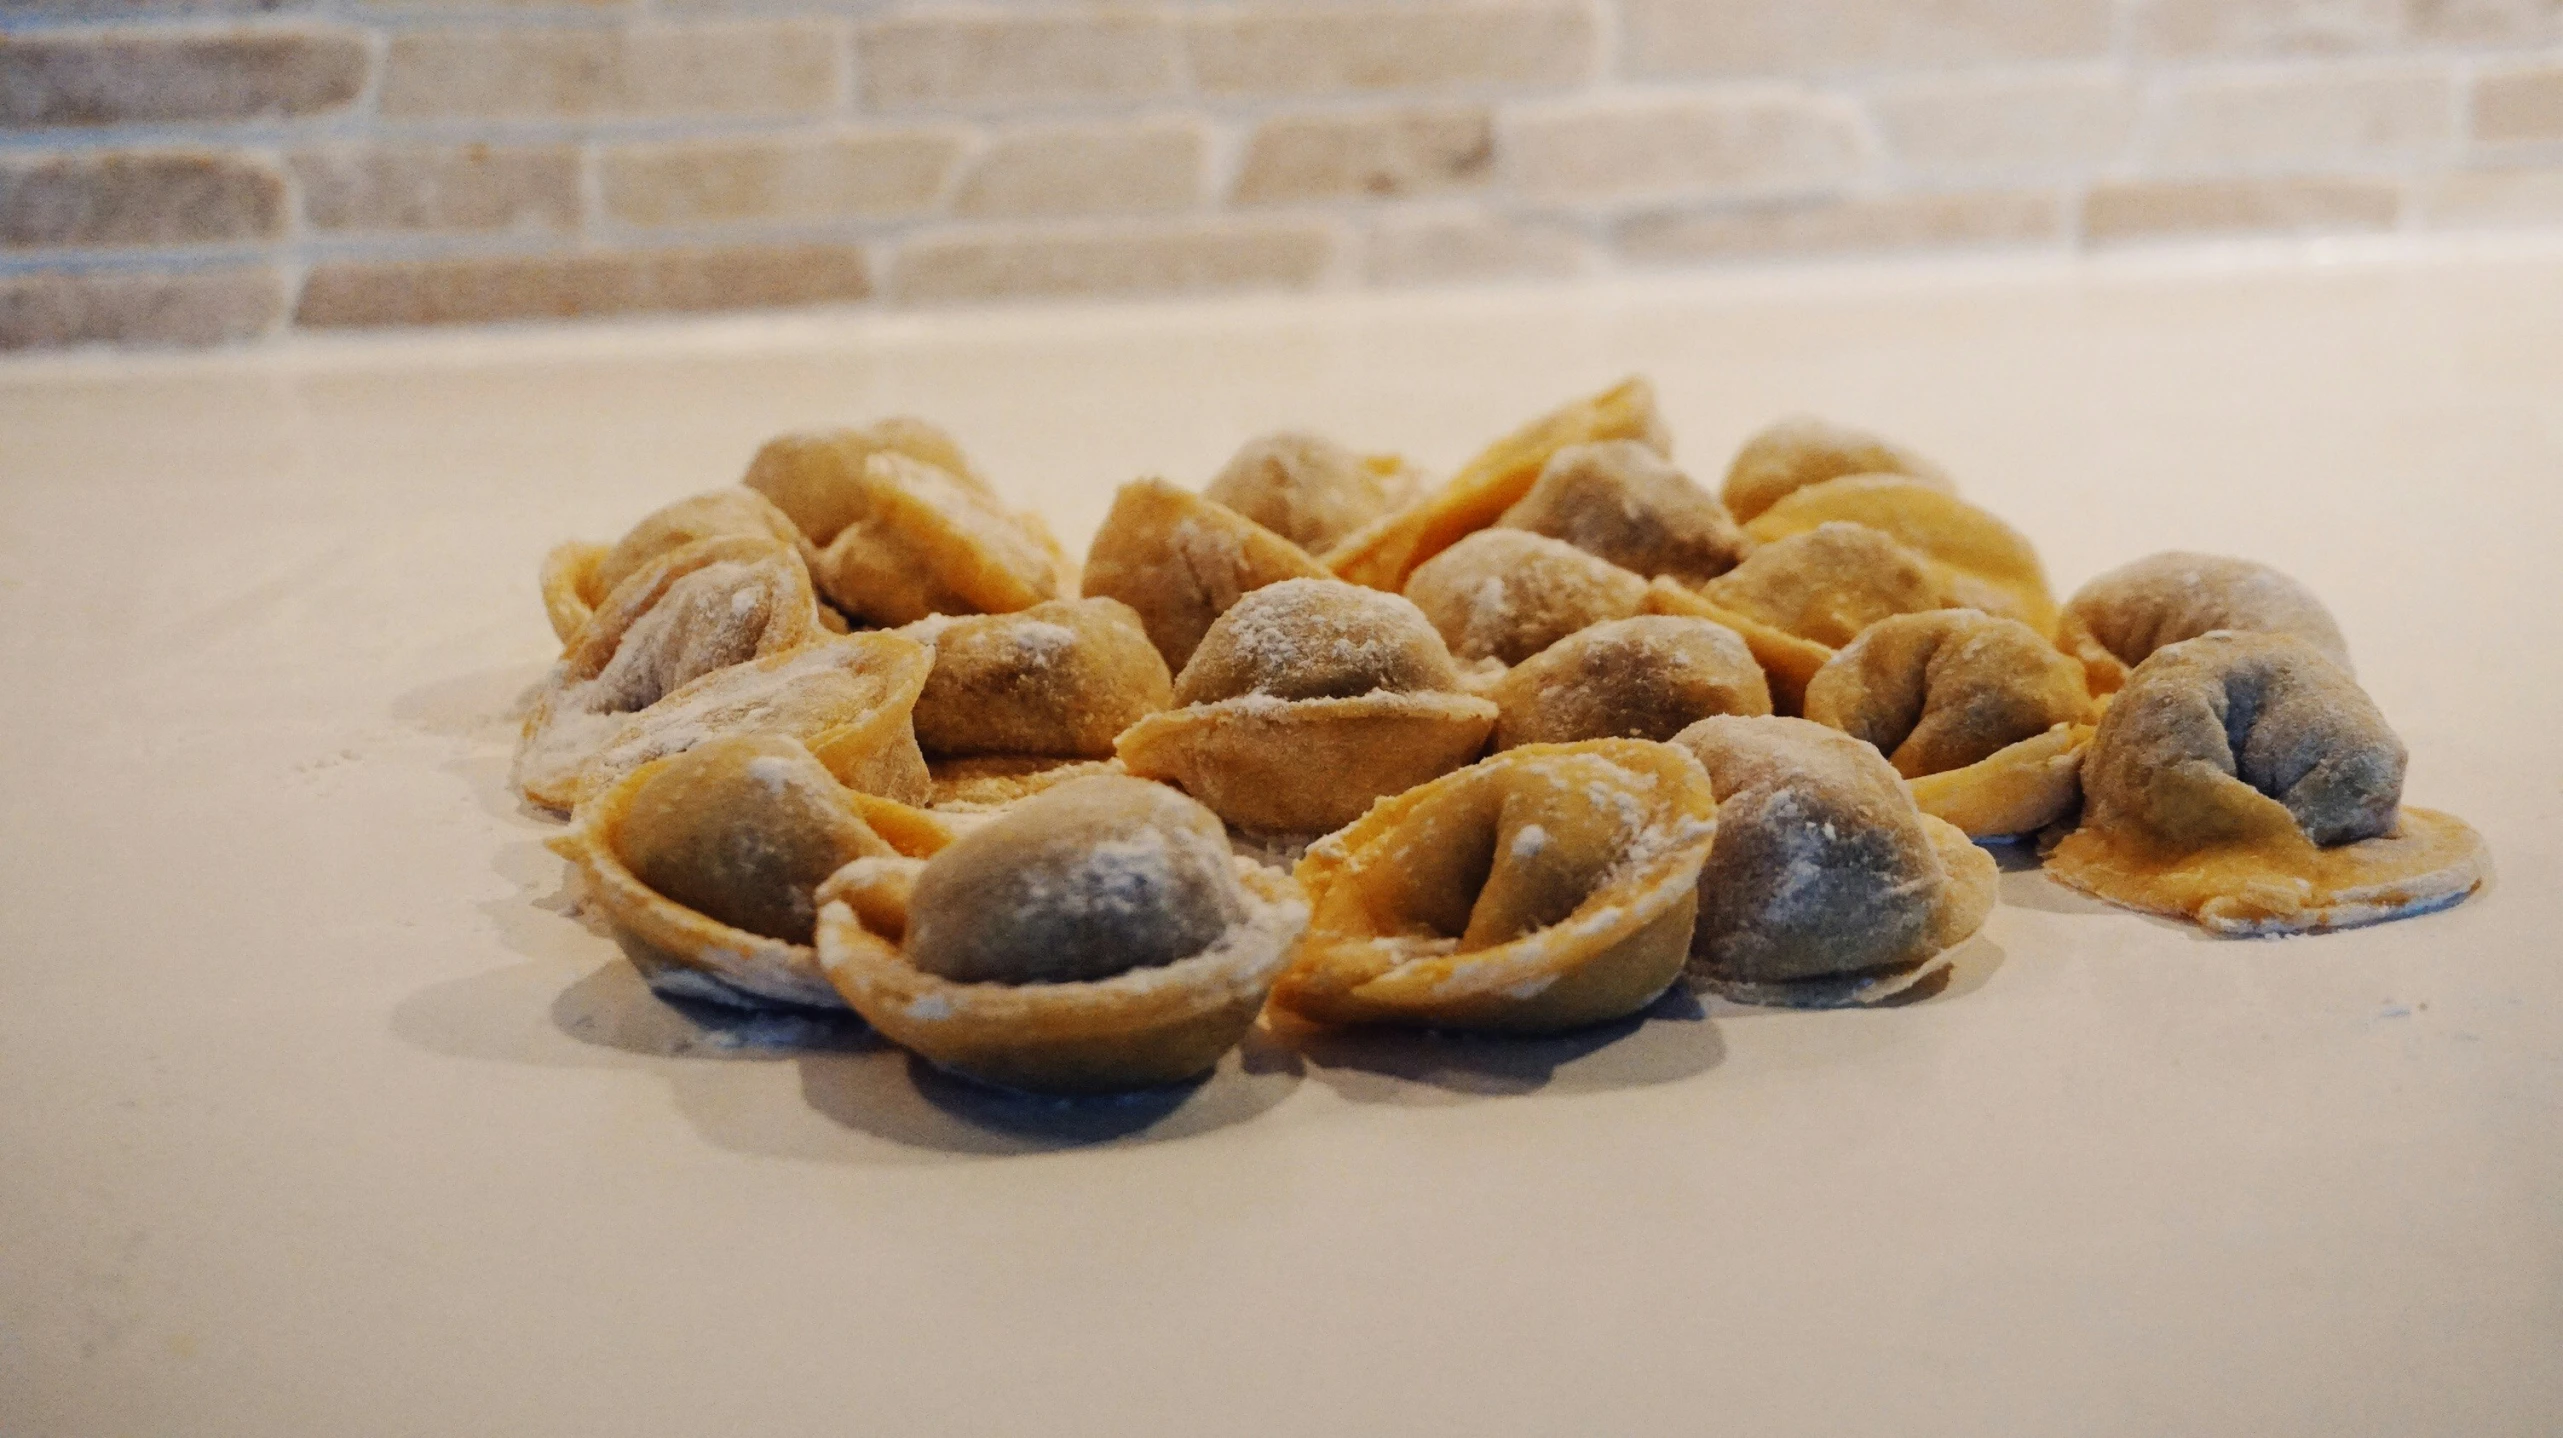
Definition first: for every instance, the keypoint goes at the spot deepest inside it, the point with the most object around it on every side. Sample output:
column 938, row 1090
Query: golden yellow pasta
column 1649, row 677
column 1546, row 888
column 924, row 542
column 1306, row 701
column 577, row 577
column 1310, row 490
column 1507, row 594
column 1179, row 561
column 816, row 477
column 2117, row 620
column 1059, row 679
column 1982, row 563
column 1801, row 450
column 2245, row 781
column 1096, row 937
column 1623, row 501
column 1825, row 884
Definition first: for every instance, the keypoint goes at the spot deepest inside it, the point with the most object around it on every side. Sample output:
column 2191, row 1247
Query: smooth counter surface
column 325, row 1113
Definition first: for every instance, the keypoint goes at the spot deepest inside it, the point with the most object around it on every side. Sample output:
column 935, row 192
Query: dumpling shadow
column 1671, row 1039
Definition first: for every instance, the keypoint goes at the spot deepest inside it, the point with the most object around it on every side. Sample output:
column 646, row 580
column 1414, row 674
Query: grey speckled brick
column 127, row 78
column 517, row 287
column 51, row 310
column 138, row 198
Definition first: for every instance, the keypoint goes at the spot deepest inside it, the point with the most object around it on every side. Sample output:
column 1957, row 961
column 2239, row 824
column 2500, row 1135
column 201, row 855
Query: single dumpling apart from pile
column 1980, row 561
column 1097, row 936
column 1648, row 677
column 1801, row 450
column 2246, row 782
column 1061, row 679
column 1179, row 561
column 1507, row 594
column 1308, row 489
column 908, row 537
column 1306, row 701
column 1383, row 554
column 1825, row 885
column 577, row 577
column 2116, row 621
column 691, row 611
column 1545, row 888
column 1623, row 501
column 1982, row 716
column 706, row 864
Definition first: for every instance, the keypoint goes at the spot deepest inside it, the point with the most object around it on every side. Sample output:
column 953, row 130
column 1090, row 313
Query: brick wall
column 200, row 171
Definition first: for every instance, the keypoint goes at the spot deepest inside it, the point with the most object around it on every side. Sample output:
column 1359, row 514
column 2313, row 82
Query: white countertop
column 323, row 1116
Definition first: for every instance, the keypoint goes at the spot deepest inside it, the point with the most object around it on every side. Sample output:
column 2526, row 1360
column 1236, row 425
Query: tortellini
column 1060, row 679
column 1179, row 561
column 1802, row 450
column 918, row 539
column 692, row 611
column 1799, row 599
column 1623, row 501
column 2117, row 620
column 1546, row 888
column 1096, row 937
column 578, row 577
column 1649, row 677
column 1825, row 884
column 706, row 864
column 1382, row 555
column 1507, row 594
column 2245, row 781
column 816, row 477
column 1306, row 701
column 1308, row 489
column 1980, row 562
column 1980, row 714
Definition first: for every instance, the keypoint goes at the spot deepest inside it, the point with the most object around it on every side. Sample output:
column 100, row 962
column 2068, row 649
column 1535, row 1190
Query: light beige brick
column 1666, row 38
column 714, row 181
column 1088, row 170
column 2265, row 27
column 1759, row 141
column 1973, row 126
column 1457, row 249
column 1887, row 223
column 1317, row 49
column 2519, row 105
column 124, row 77
column 2486, row 22
column 52, row 310
column 2299, row 117
column 1008, row 62
column 537, row 72
column 464, row 291
column 1208, row 257
column 2163, row 209
column 146, row 197
column 1378, row 154
column 2485, row 198
column 438, row 188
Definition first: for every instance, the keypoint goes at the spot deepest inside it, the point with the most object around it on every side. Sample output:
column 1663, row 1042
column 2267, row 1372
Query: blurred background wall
column 199, row 171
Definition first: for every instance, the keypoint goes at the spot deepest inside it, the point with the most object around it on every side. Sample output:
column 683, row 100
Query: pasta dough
column 2245, row 781
column 816, row 477
column 1179, row 561
column 1506, row 594
column 924, row 542
column 1059, row 679
column 1623, row 501
column 1980, row 562
column 1307, row 701
column 1549, row 887
column 577, row 577
column 1308, row 489
column 2117, row 620
column 1644, row 678
column 1825, row 884
column 1095, row 937
column 1802, row 450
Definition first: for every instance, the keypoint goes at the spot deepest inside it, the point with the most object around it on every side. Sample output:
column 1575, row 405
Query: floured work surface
column 325, row 1109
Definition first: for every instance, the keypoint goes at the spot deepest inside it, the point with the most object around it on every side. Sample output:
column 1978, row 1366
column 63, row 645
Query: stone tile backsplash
column 188, row 172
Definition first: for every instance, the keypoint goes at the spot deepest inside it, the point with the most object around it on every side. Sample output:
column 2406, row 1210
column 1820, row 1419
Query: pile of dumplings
column 1328, row 743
